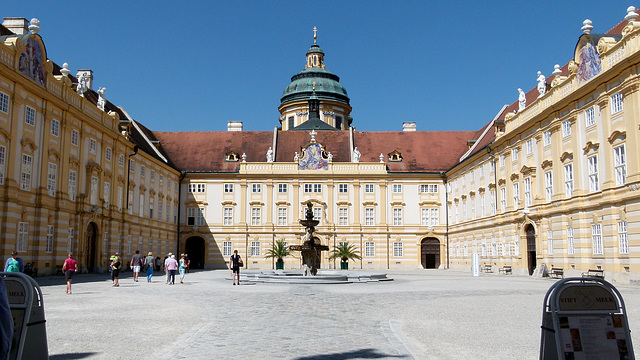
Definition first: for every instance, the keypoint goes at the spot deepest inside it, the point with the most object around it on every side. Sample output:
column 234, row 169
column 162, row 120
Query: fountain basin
column 322, row 277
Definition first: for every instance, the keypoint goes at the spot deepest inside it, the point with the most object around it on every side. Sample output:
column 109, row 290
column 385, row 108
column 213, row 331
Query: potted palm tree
column 345, row 252
column 279, row 251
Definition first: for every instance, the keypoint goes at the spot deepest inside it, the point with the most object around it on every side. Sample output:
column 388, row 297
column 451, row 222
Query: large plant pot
column 280, row 264
column 344, row 265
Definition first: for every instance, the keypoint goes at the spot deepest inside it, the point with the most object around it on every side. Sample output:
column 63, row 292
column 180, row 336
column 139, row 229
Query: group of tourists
column 148, row 264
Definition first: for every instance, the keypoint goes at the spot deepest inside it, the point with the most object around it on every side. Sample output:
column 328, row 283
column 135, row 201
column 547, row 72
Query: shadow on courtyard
column 71, row 356
column 357, row 354
column 51, row 280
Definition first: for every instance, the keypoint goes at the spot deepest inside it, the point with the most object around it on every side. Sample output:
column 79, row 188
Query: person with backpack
column 14, row 263
column 116, row 265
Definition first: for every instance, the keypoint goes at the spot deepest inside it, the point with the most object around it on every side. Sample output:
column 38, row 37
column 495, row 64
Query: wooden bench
column 557, row 273
column 505, row 269
column 486, row 268
column 597, row 273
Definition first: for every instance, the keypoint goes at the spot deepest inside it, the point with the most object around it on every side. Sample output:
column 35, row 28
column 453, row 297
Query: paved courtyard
column 422, row 314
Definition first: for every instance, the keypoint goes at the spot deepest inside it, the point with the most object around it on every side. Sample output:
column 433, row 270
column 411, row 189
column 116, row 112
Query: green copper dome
column 328, row 86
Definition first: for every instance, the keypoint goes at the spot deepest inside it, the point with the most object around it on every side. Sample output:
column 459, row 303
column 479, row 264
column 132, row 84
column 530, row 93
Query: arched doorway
column 194, row 247
column 430, row 250
column 531, row 248
column 91, row 244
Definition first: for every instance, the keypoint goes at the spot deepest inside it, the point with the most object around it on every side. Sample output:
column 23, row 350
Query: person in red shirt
column 69, row 268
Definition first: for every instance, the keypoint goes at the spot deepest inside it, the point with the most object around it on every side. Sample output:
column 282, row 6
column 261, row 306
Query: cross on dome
column 315, row 34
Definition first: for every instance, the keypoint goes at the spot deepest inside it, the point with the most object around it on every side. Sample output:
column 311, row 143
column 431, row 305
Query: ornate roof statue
column 102, row 101
column 522, row 100
column 356, row 155
column 542, row 85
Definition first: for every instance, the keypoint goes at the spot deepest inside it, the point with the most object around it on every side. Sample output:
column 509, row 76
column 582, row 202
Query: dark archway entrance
column 430, row 250
column 531, row 248
column 91, row 244
column 194, row 247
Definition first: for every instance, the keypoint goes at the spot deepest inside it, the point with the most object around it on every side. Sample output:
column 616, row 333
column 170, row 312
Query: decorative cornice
column 229, row 203
column 4, row 133
column 566, row 155
column 481, row 190
column 590, row 146
column 54, row 152
column 27, row 141
column 369, row 203
column 318, row 202
column 514, row 177
column 281, row 203
column 501, row 182
column 617, row 134
column 343, row 203
column 547, row 163
column 491, row 186
column 426, row 203
column 397, row 203
column 94, row 167
column 472, row 193
column 256, row 203
column 527, row 170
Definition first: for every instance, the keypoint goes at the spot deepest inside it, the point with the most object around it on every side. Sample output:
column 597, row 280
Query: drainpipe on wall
column 446, row 208
column 182, row 176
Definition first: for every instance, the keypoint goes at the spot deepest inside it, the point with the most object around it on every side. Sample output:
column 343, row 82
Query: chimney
column 408, row 126
column 234, row 126
column 17, row 25
column 88, row 73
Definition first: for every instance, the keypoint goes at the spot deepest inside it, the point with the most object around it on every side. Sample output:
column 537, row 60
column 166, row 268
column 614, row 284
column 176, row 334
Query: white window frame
column 570, row 241
column 75, row 138
column 529, row 146
column 369, row 216
column 191, row 216
column 26, row 169
column 546, row 138
column 30, row 116
column 343, row 216
column 424, row 216
column 435, row 216
column 502, row 160
column 527, row 192
column 343, row 188
column 55, row 128
column 282, row 188
column 369, row 249
column 23, row 237
column 256, row 218
column 623, row 240
column 73, row 183
column 52, row 177
column 596, row 236
column 514, row 155
column 108, row 154
column 93, row 194
column 503, row 199
column 516, row 195
column 93, row 145
column 397, row 188
column 4, row 103
column 228, row 188
column 620, row 164
column 594, row 179
column 368, row 188
column 226, row 248
column 317, row 214
column 566, row 128
column 590, row 116
column 548, row 185
column 200, row 216
column 568, row 180
column 227, row 216
column 398, row 250
column 617, row 103
column 397, row 216
column 282, row 216
column 550, row 242
column 49, row 243
column 3, row 157
column 256, row 188
column 255, row 248
column 121, row 160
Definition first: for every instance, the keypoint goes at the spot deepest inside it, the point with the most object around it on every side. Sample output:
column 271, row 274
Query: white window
column 492, row 201
column 566, row 128
column 141, row 206
column 107, row 194
column 120, row 195
column 227, row 217
column 368, row 216
column 73, row 177
column 428, row 188
column 255, row 216
column 596, row 235
column 622, row 238
column 397, row 188
column 256, row 188
column 397, row 249
column 529, row 146
column 368, row 188
column 568, row 180
column 143, row 170
column 590, row 116
column 482, row 203
column 546, row 138
column 313, row 188
column 492, row 166
column 424, row 218
column 620, row 163
column 282, row 188
column 160, row 179
column 616, row 103
column 92, row 146
column 191, row 216
column 160, row 209
column 548, row 185
column 52, row 175
column 2, row 162
column 30, row 116
column 70, row 241
column 343, row 216
column 594, row 182
column 151, row 207
column 25, row 177
column 132, row 165
column 108, row 154
column 196, row 188
column 570, row 243
column 282, row 216
column 369, row 249
column 397, row 216
column 226, row 248
column 167, row 211
column 516, row 195
column 514, row 155
column 317, row 214
column 550, row 242
column 121, row 160
column 55, row 127
column 228, row 188
column 435, row 217
column 255, row 248
column 23, row 236
column 342, row 188
column 130, row 202
column 527, row 192
column 49, row 245
column 4, row 103
column 200, row 218
column 502, row 161
column 153, row 175
column 503, row 199
column 93, row 197
column 75, row 137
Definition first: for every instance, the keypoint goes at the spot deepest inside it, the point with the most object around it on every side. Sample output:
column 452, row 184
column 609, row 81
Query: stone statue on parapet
column 270, row 155
column 356, row 155
column 102, row 101
column 522, row 100
column 82, row 84
column 542, row 85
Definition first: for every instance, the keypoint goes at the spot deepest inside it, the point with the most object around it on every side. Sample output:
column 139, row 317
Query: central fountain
column 311, row 248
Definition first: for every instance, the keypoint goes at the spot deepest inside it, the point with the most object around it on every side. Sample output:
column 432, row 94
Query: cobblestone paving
column 420, row 315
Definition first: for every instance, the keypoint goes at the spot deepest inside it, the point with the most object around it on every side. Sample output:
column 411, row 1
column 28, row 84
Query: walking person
column 70, row 267
column 235, row 263
column 136, row 264
column 172, row 266
column 116, row 265
column 187, row 261
column 111, row 268
column 14, row 263
column 149, row 264
column 183, row 267
column 166, row 271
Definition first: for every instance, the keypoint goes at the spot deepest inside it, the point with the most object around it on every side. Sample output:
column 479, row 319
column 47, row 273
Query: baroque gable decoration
column 395, row 156
column 314, row 157
column 32, row 60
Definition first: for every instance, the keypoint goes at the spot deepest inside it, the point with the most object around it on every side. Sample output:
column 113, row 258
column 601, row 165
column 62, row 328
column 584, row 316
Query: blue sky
column 195, row 65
